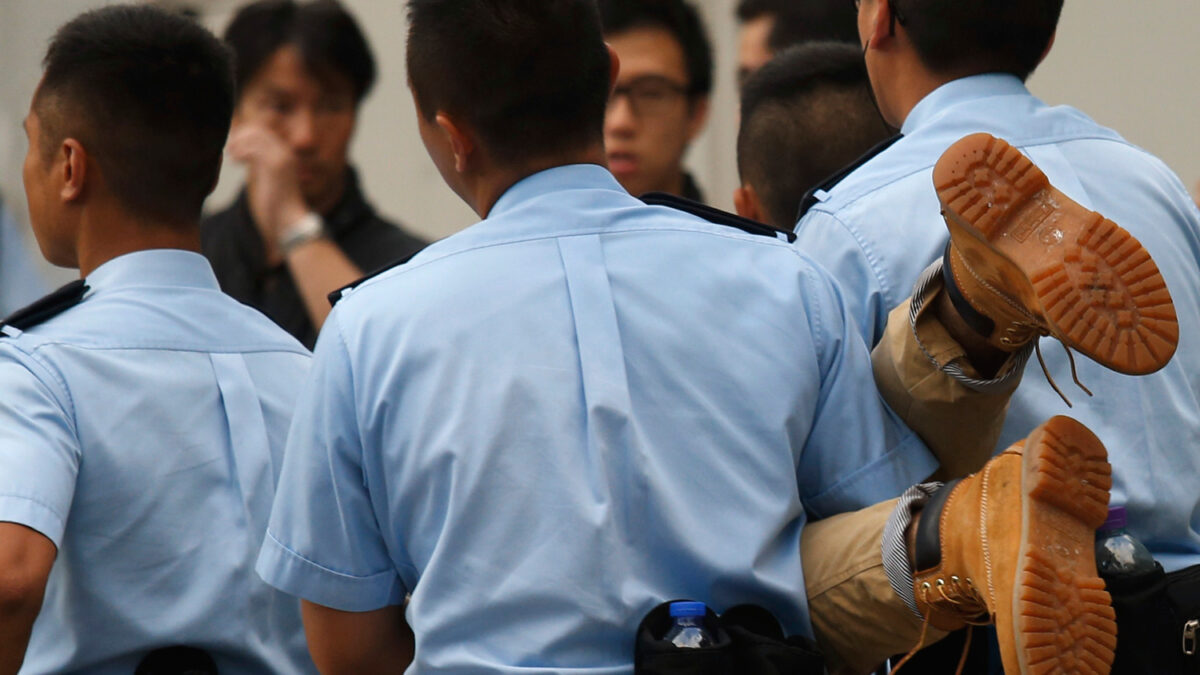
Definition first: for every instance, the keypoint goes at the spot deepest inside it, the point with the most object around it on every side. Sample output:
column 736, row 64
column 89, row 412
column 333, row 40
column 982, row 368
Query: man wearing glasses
column 661, row 100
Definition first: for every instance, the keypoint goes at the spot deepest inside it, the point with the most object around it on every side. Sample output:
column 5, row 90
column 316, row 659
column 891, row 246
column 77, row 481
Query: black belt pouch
column 1158, row 623
column 747, row 639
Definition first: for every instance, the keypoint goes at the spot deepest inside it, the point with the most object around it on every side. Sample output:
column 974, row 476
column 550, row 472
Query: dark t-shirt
column 232, row 243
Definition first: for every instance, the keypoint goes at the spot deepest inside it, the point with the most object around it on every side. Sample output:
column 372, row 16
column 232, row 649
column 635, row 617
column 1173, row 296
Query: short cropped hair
column 806, row 114
column 531, row 77
column 678, row 18
column 329, row 40
column 800, row 21
column 149, row 94
column 959, row 37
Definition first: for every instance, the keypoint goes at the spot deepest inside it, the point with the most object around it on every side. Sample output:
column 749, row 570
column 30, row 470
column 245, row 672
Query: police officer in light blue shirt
column 538, row 429
column 144, row 412
column 19, row 282
column 880, row 226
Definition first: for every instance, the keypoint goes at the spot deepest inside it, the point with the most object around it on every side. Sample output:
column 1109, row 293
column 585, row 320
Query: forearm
column 16, row 625
column 358, row 643
column 318, row 267
column 25, row 561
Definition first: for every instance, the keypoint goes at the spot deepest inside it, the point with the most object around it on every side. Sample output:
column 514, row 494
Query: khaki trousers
column 858, row 619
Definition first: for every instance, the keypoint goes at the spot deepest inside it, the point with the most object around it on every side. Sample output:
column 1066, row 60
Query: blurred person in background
column 661, row 100
column 20, row 283
column 302, row 227
column 767, row 27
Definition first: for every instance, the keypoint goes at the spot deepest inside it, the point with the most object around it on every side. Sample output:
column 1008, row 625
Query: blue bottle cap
column 688, row 609
column 1116, row 519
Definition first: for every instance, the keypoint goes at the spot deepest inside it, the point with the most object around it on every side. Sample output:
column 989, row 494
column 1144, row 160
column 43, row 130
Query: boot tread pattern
column 1065, row 619
column 1101, row 294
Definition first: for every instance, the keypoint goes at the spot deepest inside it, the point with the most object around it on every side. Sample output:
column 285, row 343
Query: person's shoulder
column 44, row 309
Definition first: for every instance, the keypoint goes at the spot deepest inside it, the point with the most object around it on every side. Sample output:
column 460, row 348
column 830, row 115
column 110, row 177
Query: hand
column 274, row 184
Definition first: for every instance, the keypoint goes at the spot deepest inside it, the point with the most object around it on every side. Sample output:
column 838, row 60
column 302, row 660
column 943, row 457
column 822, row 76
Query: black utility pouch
column 747, row 639
column 1183, row 594
column 1155, row 617
column 177, row 660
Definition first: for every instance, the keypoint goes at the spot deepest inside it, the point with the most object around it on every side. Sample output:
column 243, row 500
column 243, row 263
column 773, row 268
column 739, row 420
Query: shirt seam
column 418, row 263
column 327, row 569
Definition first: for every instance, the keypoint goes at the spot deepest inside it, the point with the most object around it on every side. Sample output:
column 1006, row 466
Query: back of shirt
column 577, row 409
column 142, row 432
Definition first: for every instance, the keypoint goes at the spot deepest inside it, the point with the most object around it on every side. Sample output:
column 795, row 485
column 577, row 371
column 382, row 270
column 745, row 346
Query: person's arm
column 317, row 266
column 26, row 557
column 359, row 643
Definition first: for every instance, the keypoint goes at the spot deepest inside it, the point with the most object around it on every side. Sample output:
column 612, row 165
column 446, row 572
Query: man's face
column 650, row 118
column 42, row 194
column 753, row 49
column 314, row 117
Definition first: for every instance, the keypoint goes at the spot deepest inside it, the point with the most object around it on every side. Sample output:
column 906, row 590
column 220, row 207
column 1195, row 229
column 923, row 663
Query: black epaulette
column 48, row 307
column 337, row 295
column 810, row 198
column 716, row 215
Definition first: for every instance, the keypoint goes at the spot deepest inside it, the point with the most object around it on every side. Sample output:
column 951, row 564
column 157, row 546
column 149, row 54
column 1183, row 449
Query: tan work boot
column 1033, row 262
column 1013, row 545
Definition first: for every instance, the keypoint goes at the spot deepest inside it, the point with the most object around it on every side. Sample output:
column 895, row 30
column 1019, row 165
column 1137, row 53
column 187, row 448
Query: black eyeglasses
column 649, row 95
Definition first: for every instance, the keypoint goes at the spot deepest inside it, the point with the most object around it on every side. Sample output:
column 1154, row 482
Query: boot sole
column 1092, row 284
column 1064, row 622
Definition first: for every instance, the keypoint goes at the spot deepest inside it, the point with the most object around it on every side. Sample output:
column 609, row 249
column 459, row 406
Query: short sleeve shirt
column 142, row 432
column 581, row 407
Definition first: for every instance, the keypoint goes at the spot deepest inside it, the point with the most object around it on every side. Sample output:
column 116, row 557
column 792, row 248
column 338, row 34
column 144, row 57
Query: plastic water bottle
column 688, row 630
column 1118, row 554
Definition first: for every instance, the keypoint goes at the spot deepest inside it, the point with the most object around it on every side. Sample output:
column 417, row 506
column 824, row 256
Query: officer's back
column 144, row 413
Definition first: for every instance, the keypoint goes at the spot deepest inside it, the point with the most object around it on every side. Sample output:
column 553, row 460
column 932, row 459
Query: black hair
column 149, row 94
column 676, row 17
column 531, row 77
column 328, row 38
column 805, row 114
column 960, row 38
column 799, row 21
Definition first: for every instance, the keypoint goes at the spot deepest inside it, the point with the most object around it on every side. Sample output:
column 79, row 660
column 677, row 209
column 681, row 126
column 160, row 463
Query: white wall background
column 1128, row 64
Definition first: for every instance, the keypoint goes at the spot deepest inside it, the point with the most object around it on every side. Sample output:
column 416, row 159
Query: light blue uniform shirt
column 142, row 432
column 19, row 281
column 880, row 227
column 581, row 407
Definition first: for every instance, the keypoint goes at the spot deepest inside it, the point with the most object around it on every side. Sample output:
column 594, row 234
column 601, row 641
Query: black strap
column 335, row 296
column 970, row 316
column 48, row 307
column 927, row 548
column 716, row 216
column 810, row 198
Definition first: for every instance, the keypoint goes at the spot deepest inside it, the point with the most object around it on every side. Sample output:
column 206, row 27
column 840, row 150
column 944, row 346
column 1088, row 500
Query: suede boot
column 1026, row 261
column 1013, row 545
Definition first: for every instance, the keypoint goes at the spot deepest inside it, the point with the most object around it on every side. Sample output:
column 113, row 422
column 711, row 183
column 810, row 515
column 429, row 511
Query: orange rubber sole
column 1063, row 620
column 1089, row 282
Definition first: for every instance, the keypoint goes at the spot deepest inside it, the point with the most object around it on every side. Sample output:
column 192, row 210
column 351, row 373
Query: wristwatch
column 307, row 228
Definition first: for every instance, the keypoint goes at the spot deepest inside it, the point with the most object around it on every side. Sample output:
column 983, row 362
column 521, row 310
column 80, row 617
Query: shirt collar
column 940, row 100
column 557, row 179
column 157, row 267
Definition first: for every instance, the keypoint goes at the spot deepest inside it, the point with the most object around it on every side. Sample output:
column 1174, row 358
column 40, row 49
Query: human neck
column 492, row 182
column 105, row 234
